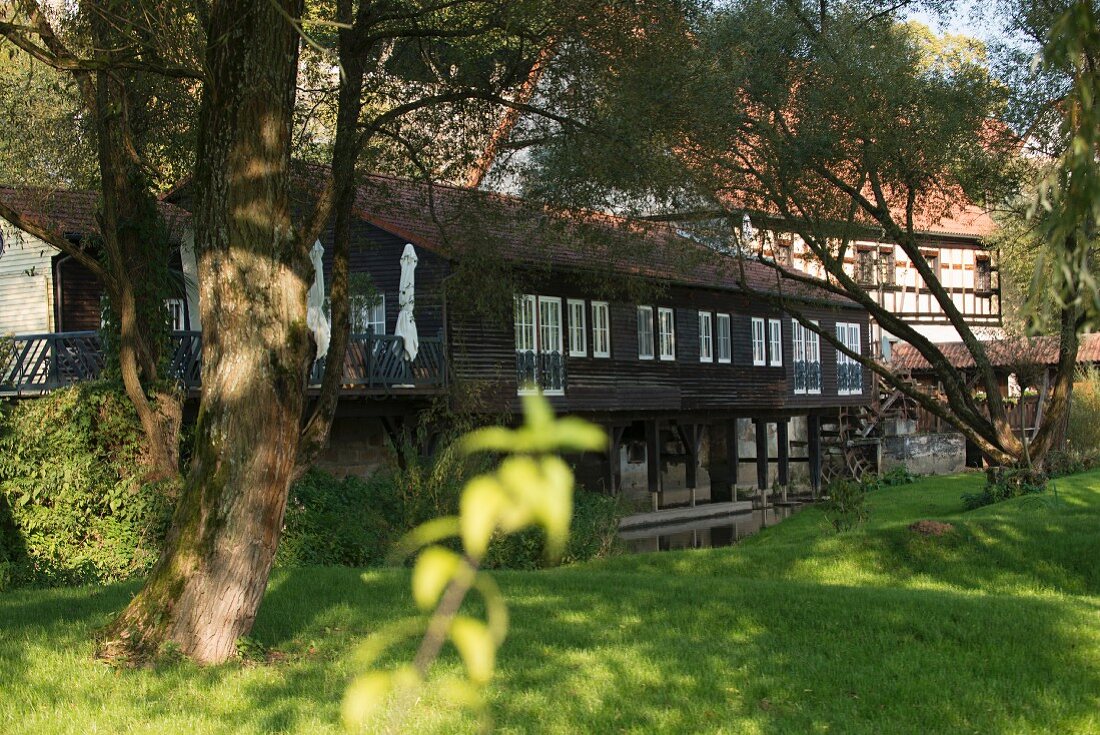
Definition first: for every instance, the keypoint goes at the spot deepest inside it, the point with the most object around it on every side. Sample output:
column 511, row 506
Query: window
column 849, row 372
column 706, row 339
column 983, row 274
column 176, row 321
column 887, row 265
column 933, row 259
column 807, row 358
column 759, row 347
column 865, row 267
column 783, row 249
column 775, row 342
column 368, row 314
column 645, row 332
column 666, row 333
column 538, row 327
column 725, row 348
column 601, row 329
column 578, row 333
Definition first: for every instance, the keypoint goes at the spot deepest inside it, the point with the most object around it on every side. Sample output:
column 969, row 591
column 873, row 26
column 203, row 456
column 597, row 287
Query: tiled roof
column 459, row 222
column 1002, row 354
column 71, row 213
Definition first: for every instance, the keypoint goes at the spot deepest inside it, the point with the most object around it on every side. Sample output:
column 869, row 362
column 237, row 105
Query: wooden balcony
column 35, row 364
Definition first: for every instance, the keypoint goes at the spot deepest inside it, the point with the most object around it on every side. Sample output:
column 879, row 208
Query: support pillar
column 653, row 459
column 691, row 435
column 614, row 458
column 813, row 437
column 733, row 458
column 761, row 454
column 783, row 444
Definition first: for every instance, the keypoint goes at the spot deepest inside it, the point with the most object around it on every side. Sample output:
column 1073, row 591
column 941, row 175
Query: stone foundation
column 925, row 454
column 357, row 446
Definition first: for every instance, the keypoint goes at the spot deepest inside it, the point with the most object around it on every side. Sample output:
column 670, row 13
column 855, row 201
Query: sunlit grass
column 994, row 628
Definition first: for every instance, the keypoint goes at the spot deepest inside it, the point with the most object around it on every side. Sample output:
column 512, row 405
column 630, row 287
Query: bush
column 900, row 475
column 1004, row 483
column 594, row 534
column 1083, row 426
column 1060, row 464
column 333, row 522
column 74, row 504
column 355, row 522
column 845, row 506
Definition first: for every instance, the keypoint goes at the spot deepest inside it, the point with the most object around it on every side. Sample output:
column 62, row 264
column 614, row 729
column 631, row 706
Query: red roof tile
column 1045, row 349
column 71, row 213
column 459, row 222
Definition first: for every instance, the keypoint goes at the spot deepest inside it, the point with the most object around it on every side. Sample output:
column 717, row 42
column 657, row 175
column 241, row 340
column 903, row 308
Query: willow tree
column 834, row 121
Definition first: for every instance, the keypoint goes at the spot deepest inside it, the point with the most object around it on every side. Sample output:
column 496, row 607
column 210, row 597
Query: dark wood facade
column 483, row 351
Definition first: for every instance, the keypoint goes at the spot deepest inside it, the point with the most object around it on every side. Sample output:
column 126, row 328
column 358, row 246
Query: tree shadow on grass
column 678, row 657
column 599, row 652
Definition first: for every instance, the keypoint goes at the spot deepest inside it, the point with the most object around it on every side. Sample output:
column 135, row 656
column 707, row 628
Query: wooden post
column 783, row 445
column 614, row 459
column 813, row 436
column 733, row 456
column 653, row 458
column 761, row 454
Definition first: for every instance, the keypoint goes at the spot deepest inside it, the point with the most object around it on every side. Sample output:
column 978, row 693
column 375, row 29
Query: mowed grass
column 994, row 628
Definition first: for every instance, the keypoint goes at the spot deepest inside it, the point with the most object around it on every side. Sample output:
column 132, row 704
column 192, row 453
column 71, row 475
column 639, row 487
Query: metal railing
column 34, row 364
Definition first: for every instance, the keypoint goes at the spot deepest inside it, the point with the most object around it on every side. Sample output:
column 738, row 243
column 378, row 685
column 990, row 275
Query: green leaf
column 475, row 645
column 480, row 508
column 435, row 568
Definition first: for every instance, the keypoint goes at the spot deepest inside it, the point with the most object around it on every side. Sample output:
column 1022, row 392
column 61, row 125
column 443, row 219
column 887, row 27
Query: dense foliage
column 355, row 521
column 74, row 506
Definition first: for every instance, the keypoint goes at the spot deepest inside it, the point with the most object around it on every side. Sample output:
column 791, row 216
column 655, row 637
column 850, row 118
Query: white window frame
column 663, row 313
column 759, row 342
column 176, row 307
column 851, row 336
column 536, row 335
column 601, row 329
column 805, row 346
column 706, row 337
column 578, row 328
column 775, row 343
column 367, row 316
column 723, row 323
column 645, row 337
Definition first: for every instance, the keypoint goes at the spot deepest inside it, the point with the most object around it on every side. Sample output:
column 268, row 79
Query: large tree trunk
column 253, row 275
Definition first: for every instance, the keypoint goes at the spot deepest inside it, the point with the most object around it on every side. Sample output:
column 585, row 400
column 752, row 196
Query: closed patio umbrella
column 406, row 323
column 315, row 302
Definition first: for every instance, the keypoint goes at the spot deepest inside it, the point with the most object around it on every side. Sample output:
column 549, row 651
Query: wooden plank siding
column 378, row 253
column 483, row 352
column 26, row 283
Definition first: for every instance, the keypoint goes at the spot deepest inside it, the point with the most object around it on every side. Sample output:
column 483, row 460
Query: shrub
column 900, row 475
column 594, row 534
column 845, row 506
column 74, row 506
column 355, row 522
column 1060, row 464
column 1083, row 425
column 333, row 522
column 1003, row 483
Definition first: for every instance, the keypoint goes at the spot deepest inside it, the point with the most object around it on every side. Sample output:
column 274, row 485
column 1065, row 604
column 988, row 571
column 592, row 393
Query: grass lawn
column 992, row 629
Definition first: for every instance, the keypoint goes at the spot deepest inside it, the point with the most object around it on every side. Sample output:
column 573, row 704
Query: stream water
column 703, row 533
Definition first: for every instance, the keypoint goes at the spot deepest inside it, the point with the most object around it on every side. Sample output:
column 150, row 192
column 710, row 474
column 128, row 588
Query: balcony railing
column 541, row 371
column 807, row 376
column 849, row 377
column 34, row 364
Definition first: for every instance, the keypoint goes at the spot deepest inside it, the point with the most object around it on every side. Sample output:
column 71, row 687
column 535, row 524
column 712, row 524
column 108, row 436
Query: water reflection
column 705, row 532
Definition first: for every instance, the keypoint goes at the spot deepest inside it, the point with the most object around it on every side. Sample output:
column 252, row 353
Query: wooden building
column 695, row 362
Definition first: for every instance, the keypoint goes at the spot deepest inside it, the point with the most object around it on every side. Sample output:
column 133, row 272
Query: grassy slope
column 993, row 629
